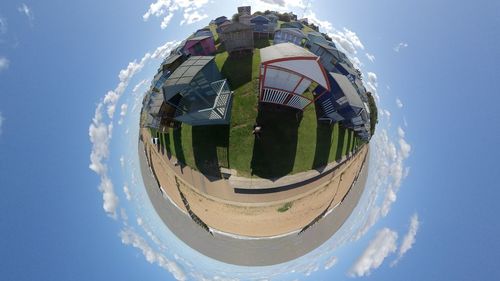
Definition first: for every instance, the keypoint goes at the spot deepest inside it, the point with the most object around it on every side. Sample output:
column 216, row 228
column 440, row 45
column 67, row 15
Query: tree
column 236, row 17
column 373, row 112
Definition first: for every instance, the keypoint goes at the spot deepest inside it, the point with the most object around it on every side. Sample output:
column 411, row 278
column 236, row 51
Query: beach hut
column 273, row 19
column 218, row 21
column 262, row 26
column 286, row 72
column 245, row 19
column 238, row 37
column 198, row 93
column 200, row 46
column 221, row 28
column 340, row 103
column 292, row 24
column 292, row 35
column 329, row 56
column 203, row 32
column 316, row 37
column 166, row 68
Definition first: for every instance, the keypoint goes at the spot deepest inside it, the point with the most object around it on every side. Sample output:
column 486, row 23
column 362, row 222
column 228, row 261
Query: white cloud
column 399, row 103
column 370, row 57
column 408, row 239
column 348, row 40
column 129, row 237
column 3, row 25
column 372, row 78
column 275, row 2
column 401, row 132
column 389, row 172
column 100, row 132
column 405, row 147
column 400, row 46
column 140, row 85
column 24, row 9
column 191, row 10
column 4, row 63
column 374, row 255
column 123, row 112
column 330, row 262
column 192, row 17
column 2, row 119
column 122, row 161
column 127, row 192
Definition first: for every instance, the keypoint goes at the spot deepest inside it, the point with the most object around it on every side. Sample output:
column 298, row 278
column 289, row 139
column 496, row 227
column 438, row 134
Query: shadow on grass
column 340, row 140
column 274, row 152
column 167, row 144
column 323, row 145
column 260, row 43
column 210, row 149
column 179, row 152
column 238, row 70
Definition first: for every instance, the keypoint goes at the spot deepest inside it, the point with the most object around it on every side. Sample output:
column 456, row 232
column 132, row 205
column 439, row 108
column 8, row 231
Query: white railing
column 282, row 97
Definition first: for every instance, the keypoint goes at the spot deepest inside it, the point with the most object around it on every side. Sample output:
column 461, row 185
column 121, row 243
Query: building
column 329, row 56
column 292, row 35
column 218, row 21
column 273, row 18
column 200, row 46
column 238, row 37
column 203, row 32
column 292, row 24
column 286, row 72
column 221, row 28
column 169, row 65
column 262, row 26
column 245, row 19
column 341, row 103
column 316, row 37
column 245, row 10
column 198, row 94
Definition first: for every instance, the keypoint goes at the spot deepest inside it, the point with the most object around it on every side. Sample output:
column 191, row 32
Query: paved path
column 252, row 252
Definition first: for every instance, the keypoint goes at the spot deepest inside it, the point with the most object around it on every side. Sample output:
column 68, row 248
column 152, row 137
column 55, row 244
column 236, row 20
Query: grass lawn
column 290, row 142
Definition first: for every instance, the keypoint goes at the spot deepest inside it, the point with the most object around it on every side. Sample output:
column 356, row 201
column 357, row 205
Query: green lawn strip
column 306, row 145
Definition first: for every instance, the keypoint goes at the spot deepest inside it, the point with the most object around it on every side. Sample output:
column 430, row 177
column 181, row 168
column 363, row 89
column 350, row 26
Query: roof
column 172, row 58
column 348, row 68
column 293, row 30
column 348, row 89
column 284, row 51
column 260, row 18
column 236, row 26
column 188, row 70
column 199, row 38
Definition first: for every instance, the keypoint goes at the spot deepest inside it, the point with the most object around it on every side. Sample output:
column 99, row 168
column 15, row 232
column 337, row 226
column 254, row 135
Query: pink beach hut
column 200, row 46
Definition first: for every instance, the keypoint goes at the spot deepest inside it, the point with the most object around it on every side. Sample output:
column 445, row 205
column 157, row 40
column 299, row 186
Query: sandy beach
column 253, row 215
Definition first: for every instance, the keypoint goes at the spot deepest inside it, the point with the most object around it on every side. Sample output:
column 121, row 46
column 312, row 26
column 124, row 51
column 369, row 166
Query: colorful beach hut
column 198, row 93
column 286, row 72
column 200, row 46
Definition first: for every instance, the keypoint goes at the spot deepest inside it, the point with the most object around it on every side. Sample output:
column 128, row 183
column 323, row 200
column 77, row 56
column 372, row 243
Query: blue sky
column 59, row 60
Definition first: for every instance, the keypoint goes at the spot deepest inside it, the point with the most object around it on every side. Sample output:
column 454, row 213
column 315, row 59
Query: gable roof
column 260, row 18
column 282, row 51
column 199, row 38
column 332, row 50
column 188, row 70
column 295, row 31
column 236, row 26
column 348, row 89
